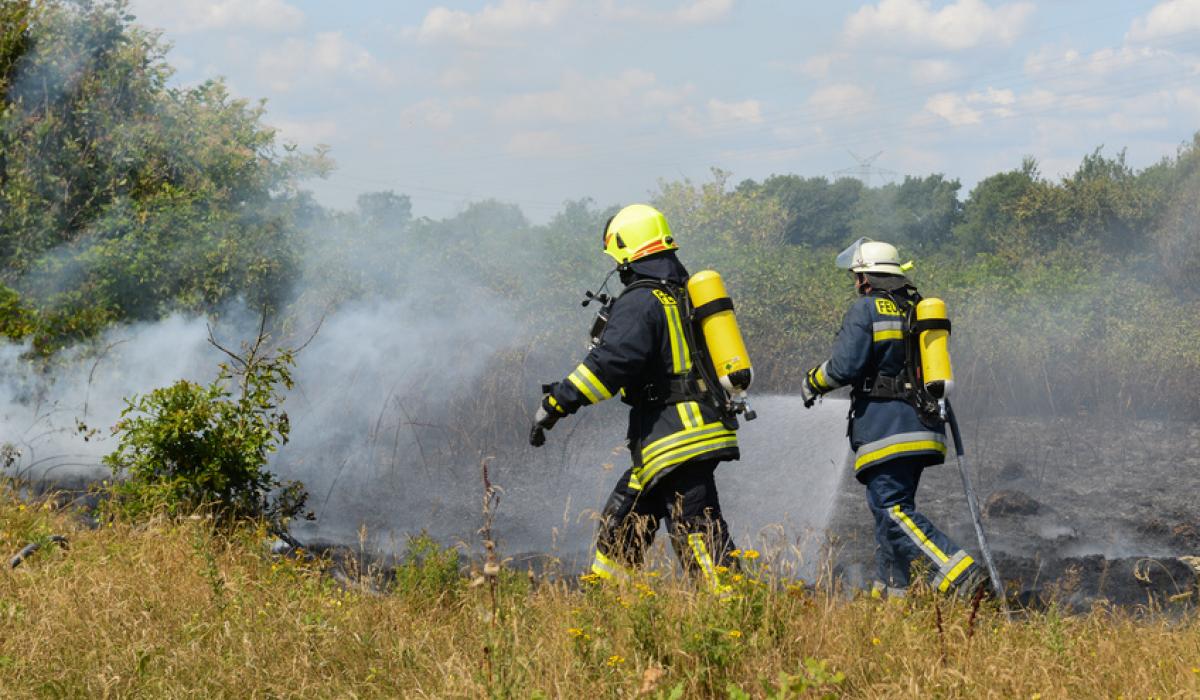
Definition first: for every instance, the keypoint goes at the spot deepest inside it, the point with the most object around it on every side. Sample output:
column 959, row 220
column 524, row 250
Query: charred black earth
column 1077, row 510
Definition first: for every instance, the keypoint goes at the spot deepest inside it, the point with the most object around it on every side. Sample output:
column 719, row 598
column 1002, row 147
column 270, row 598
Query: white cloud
column 187, row 16
column 328, row 55
column 953, row 108
column 840, row 100
column 493, row 24
column 1166, row 19
column 963, row 24
column 932, row 71
column 716, row 115
column 631, row 95
column 817, row 67
column 1137, row 68
column 306, row 133
column 541, row 144
column 429, row 113
column 746, row 111
column 702, row 11
column 436, row 114
column 693, row 12
column 961, row 110
column 1189, row 100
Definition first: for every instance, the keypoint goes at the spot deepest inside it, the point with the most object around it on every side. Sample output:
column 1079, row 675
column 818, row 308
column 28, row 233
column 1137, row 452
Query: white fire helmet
column 866, row 255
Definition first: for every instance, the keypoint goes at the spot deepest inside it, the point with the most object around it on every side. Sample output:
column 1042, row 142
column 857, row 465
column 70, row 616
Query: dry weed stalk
column 491, row 562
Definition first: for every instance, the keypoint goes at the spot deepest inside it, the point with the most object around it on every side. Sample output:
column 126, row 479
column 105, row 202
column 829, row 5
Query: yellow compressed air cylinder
column 934, row 343
column 721, row 333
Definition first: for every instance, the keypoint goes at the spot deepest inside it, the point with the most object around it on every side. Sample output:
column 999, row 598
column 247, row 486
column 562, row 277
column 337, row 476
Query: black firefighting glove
column 807, row 393
column 547, row 415
column 810, row 390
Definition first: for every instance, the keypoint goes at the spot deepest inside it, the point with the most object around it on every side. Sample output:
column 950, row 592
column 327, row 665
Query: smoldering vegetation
column 144, row 213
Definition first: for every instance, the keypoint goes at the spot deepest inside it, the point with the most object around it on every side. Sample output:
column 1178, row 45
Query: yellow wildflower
column 574, row 631
column 736, row 634
column 722, row 569
column 750, row 554
column 590, row 578
column 615, row 660
column 875, row 641
column 736, row 553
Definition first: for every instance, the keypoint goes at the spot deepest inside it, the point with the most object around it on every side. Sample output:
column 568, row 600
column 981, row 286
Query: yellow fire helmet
column 636, row 231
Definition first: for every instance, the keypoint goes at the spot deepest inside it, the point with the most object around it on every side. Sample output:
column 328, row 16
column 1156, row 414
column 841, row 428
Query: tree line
column 124, row 198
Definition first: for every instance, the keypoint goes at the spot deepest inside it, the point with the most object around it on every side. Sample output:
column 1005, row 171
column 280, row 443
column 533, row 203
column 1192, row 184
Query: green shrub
column 428, row 569
column 190, row 446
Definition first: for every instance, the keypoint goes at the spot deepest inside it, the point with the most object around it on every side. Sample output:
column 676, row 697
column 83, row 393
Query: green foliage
column 190, row 446
column 122, row 198
column 819, row 212
column 709, row 210
column 15, row 18
column 990, row 219
column 428, row 570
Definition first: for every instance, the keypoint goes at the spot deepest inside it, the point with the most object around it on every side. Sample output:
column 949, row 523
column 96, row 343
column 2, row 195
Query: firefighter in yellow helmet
column 677, row 432
column 894, row 437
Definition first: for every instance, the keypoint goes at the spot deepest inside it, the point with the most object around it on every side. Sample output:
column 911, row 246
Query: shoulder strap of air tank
column 648, row 283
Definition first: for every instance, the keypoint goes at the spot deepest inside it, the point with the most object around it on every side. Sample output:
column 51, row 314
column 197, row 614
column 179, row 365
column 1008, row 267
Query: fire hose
column 973, row 506
column 32, row 547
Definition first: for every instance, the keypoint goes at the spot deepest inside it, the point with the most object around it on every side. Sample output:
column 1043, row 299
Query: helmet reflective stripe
column 636, row 231
column 866, row 255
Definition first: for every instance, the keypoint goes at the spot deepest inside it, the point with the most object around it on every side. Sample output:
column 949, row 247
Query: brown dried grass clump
column 172, row 609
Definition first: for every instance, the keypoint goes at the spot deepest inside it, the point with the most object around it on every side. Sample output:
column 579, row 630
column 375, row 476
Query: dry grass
column 170, row 610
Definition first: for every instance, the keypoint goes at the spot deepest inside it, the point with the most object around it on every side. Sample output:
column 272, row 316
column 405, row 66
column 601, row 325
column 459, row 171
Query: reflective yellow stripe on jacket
column 695, row 438
column 679, row 447
column 681, row 356
column 919, row 442
column 887, row 330
column 586, row 382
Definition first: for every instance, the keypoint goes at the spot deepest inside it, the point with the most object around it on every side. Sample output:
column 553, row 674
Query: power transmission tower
column 866, row 171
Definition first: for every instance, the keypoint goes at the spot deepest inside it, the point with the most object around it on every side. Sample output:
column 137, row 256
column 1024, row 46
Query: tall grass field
column 174, row 608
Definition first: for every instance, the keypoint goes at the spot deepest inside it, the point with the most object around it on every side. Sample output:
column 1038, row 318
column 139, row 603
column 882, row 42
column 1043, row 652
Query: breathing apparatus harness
column 909, row 384
column 697, row 384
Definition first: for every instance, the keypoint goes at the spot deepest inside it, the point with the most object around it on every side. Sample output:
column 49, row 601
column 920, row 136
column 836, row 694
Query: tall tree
column 124, row 197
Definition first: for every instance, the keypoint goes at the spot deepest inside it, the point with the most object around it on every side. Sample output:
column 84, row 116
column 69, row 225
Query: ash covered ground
column 1077, row 509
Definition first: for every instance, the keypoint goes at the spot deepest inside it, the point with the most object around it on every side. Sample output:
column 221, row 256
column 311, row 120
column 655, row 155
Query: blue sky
column 540, row 101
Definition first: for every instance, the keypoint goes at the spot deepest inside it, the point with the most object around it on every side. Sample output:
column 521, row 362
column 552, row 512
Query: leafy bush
column 428, row 569
column 190, row 446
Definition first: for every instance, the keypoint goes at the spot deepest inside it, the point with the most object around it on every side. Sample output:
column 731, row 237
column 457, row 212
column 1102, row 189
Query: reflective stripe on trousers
column 949, row 568
column 608, row 569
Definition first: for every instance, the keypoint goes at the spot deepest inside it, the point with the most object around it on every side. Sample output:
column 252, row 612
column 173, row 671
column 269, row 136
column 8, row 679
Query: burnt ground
column 1076, row 509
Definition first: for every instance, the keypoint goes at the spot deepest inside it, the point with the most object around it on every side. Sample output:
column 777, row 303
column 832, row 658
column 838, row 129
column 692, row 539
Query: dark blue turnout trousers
column 904, row 535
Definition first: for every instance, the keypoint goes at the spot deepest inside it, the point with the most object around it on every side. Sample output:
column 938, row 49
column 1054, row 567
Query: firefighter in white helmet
column 893, row 439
